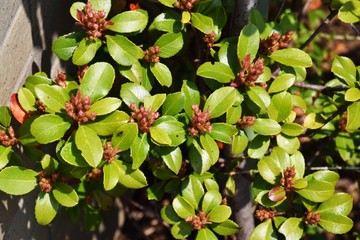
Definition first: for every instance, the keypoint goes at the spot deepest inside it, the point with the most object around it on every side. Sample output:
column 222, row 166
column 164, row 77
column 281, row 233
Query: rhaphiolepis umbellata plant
column 160, row 89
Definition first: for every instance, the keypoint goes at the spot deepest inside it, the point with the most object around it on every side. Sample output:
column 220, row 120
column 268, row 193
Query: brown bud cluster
column 40, row 106
column 312, row 218
column 46, row 182
column 343, row 122
column 145, row 118
column 198, row 221
column 246, row 121
column 224, row 202
column 209, row 39
column 8, row 139
column 94, row 174
column 77, row 108
column 264, row 214
column 275, row 42
column 60, row 79
column 109, row 152
column 200, row 121
column 287, row 181
column 151, row 54
column 81, row 71
column 92, row 22
column 249, row 73
column 185, row 5
column 183, row 169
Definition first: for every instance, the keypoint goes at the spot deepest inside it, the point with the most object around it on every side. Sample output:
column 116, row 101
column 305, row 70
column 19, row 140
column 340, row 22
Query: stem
column 336, row 168
column 329, row 91
column 281, row 9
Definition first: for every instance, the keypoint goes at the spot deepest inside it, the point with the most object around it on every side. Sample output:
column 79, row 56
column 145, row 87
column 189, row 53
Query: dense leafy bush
column 159, row 93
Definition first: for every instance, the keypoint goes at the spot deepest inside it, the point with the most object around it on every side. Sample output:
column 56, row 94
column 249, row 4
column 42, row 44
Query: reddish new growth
column 93, row 23
column 249, row 73
column 151, row 54
column 198, row 221
column 266, row 214
column 200, row 121
column 209, row 39
column 8, row 139
column 40, row 106
column 109, row 152
column 185, row 5
column 343, row 122
column 77, row 108
column 312, row 218
column 287, row 181
column 60, row 79
column 95, row 174
column 275, row 42
column 246, row 121
column 81, row 71
column 45, row 181
column 145, row 118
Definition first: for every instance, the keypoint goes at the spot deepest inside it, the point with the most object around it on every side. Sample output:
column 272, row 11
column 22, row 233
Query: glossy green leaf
column 223, row 132
column 5, row 156
column 292, row 57
column 219, row 213
column 344, row 145
column 169, row 215
column 349, row 12
column 139, row 150
column 168, row 3
column 54, row 97
column 313, row 121
column 327, row 176
column 289, row 144
column 217, row 71
column 335, row 223
column 211, row 199
column 259, row 96
column 201, row 22
column 26, row 100
column 269, row 168
column 205, row 234
column 353, row 121
column 235, row 111
column 292, row 129
column 230, row 186
column 37, row 78
column 199, row 158
column 131, row 178
column 17, row 180
column 160, row 136
column 225, row 228
column 162, row 73
column 239, row 143
column 86, row 51
column 280, row 106
column 97, row 81
column 46, row 208
column 49, row 128
column 170, row 129
column 297, row 160
column 65, row 195
column 168, row 21
column 257, row 18
column 170, row 44
column 5, row 116
column 209, row 144
column 129, row 21
column 277, row 194
column 49, row 164
column 211, row 184
column 65, row 45
column 316, row 191
column 266, row 127
column 181, row 230
column 192, row 191
column 340, row 203
column 154, row 102
column 300, row 184
column 101, row 5
column 220, row 101
column 192, row 96
column 88, row 142
column 345, row 69
column 264, row 230
column 134, row 73
column 172, row 158
column 258, row 146
column 105, row 106
column 292, row 228
column 182, row 207
column 352, row 94
column 281, row 83
column 111, row 174
column 133, row 93
column 107, row 125
column 72, row 155
column 122, row 50
column 173, row 104
column 125, row 136
column 248, row 43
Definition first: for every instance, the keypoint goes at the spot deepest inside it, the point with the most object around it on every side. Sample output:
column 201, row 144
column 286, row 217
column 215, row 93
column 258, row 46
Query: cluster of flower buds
column 92, row 22
column 200, row 121
column 275, row 42
column 185, row 5
column 109, row 152
column 77, row 108
column 40, row 106
column 263, row 214
column 46, row 182
column 81, row 71
column 312, row 218
column 198, row 221
column 246, row 121
column 94, row 174
column 8, row 139
column 151, row 54
column 249, row 73
column 60, row 79
column 287, row 181
column 145, row 118
column 209, row 39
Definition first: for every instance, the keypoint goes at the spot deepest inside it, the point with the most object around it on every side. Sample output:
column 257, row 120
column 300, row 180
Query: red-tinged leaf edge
column 17, row 111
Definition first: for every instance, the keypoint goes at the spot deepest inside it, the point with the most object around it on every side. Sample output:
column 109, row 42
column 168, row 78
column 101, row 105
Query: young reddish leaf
column 277, row 194
column 17, row 111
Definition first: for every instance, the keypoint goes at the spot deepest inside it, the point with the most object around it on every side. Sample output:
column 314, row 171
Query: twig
column 355, row 29
column 329, row 91
column 336, row 168
column 281, row 9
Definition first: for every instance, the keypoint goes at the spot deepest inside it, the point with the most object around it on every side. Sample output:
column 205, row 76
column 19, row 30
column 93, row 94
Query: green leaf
column 54, row 97
column 123, row 51
column 292, row 57
column 46, row 208
column 49, row 164
column 86, row 51
column 258, row 146
column 37, row 78
column 297, row 160
column 5, row 116
column 5, row 156
column 65, row 45
column 259, row 96
column 170, row 44
column 211, row 199
column 168, row 3
column 248, row 43
column 111, row 176
column 107, row 125
column 239, row 143
column 181, row 230
column 26, row 100
column 172, row 131
column 172, row 158
column 105, row 106
column 292, row 129
column 352, row 94
column 131, row 178
column 313, row 121
column 281, row 83
column 205, row 234
column 65, row 195
column 289, row 144
column 220, row 101
column 230, row 186
column 335, row 223
column 277, row 194
column 169, row 215
column 133, row 21
column 17, row 180
column 340, row 203
column 133, row 93
column 353, row 121
column 192, row 191
column 225, row 228
column 209, row 144
column 258, row 20
column 344, row 145
column 192, row 96
column 160, row 136
column 266, row 127
column 49, row 128
column 139, row 150
column 97, row 81
column 134, row 72
column 217, row 71
column 72, row 155
column 202, row 23
column 269, row 168
column 292, row 228
column 219, row 213
column 125, row 136
column 327, row 176
column 264, row 230
column 182, row 207
column 235, row 111
column 223, row 132
column 349, row 12
column 154, row 102
column 345, row 69
column 162, row 73
column 101, row 5
column 199, row 158
column 88, row 142
column 316, row 191
column 280, row 106
column 168, row 21
column 173, row 104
